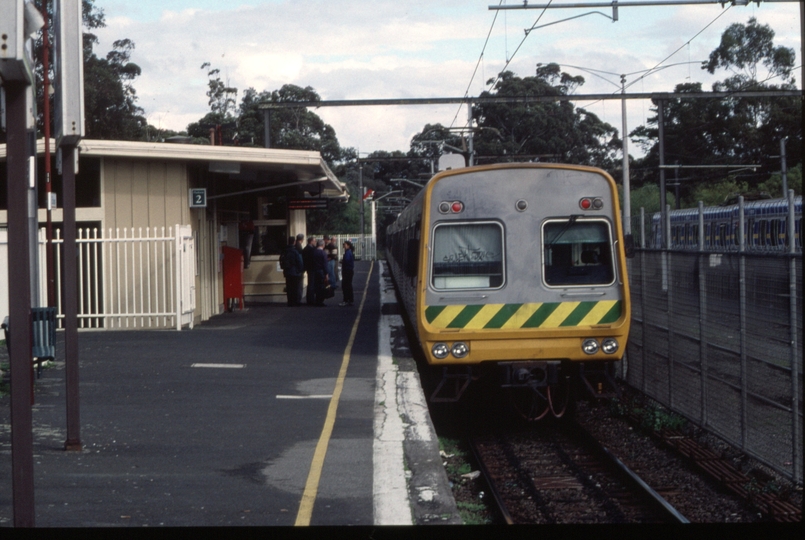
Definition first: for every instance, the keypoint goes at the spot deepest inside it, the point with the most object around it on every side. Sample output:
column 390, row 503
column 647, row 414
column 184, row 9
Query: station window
column 467, row 256
column 577, row 252
column 269, row 238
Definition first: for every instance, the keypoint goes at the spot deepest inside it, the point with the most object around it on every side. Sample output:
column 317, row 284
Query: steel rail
column 658, row 499
column 501, row 506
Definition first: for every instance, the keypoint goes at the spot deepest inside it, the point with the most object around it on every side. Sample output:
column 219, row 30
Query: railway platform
column 269, row 416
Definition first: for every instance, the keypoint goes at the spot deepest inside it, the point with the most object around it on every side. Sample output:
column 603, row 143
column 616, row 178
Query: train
column 765, row 227
column 515, row 274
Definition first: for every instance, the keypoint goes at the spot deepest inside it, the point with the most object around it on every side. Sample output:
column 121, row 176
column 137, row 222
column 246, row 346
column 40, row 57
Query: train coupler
column 598, row 380
column 451, row 383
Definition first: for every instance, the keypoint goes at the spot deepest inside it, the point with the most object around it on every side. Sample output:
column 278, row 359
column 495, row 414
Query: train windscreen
column 577, row 252
column 467, row 256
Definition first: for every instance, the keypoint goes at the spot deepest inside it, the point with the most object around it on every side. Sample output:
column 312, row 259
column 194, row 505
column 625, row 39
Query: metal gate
column 130, row 278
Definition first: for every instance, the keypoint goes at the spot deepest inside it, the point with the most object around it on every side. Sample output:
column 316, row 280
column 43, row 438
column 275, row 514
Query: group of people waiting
column 319, row 260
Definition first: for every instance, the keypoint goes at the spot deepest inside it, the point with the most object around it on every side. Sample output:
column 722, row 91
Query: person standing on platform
column 332, row 260
column 300, row 239
column 320, row 272
column 347, row 273
column 307, row 258
column 292, row 269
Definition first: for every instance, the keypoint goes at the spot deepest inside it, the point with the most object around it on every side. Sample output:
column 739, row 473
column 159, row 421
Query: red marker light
column 585, row 204
column 457, row 207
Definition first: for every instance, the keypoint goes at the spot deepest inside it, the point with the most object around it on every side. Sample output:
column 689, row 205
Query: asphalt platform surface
column 226, row 424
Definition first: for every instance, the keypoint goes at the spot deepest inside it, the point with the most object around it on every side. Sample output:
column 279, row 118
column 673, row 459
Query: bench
column 43, row 335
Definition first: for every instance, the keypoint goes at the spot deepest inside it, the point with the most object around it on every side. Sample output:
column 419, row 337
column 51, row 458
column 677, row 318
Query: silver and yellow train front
column 522, row 264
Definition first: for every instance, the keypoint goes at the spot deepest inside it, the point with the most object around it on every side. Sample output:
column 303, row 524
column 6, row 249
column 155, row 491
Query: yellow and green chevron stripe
column 512, row 316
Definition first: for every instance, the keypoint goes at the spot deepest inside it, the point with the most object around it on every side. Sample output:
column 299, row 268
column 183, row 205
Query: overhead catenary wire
column 478, row 63
column 508, row 60
column 656, row 68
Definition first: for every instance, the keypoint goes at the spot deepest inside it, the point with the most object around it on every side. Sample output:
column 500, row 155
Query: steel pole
column 70, row 292
column 795, row 357
column 19, row 311
column 661, row 136
column 627, row 201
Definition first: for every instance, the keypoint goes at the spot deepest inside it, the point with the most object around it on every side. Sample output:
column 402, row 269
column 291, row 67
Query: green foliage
column 715, row 193
column 109, row 95
column 545, row 131
column 774, row 185
column 292, row 128
column 746, row 46
column 648, row 197
column 472, row 513
column 656, row 418
column 110, row 100
column 220, row 122
column 731, row 131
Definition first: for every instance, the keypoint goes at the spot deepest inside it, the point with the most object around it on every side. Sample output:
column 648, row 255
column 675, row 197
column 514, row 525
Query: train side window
column 773, row 233
column 577, row 253
column 722, row 235
column 762, row 228
column 467, row 256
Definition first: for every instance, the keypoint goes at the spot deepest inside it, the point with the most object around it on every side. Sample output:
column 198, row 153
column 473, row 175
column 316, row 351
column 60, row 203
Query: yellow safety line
column 314, row 476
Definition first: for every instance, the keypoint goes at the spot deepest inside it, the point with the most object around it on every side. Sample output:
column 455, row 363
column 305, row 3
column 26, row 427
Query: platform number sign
column 198, row 198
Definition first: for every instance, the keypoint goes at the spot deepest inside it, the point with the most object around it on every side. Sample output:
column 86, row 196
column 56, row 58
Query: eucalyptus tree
column 734, row 130
column 110, row 100
column 555, row 131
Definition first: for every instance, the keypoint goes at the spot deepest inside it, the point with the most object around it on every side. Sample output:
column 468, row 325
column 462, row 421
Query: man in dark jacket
column 307, row 258
column 320, row 272
column 300, row 238
column 292, row 269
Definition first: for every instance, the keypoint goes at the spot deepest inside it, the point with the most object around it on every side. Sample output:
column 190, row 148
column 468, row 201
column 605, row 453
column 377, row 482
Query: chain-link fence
column 717, row 337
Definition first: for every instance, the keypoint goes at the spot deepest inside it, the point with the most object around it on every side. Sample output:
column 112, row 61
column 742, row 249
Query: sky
column 415, row 49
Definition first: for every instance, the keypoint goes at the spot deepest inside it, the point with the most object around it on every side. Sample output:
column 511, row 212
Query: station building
column 157, row 224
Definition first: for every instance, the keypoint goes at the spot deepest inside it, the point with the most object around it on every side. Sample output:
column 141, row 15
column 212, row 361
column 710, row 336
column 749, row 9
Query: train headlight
column 440, row 350
column 609, row 345
column 589, row 346
column 460, row 350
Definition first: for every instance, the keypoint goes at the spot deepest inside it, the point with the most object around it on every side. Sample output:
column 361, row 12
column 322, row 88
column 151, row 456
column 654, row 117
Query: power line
column 509, row 60
column 683, row 45
column 480, row 58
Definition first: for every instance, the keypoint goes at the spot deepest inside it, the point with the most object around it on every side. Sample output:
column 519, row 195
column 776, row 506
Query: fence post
column 702, row 316
column 178, row 278
column 643, row 293
column 742, row 318
column 792, row 296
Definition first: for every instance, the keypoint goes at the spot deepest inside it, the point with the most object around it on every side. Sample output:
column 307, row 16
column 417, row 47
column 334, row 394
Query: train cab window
column 467, row 256
column 577, row 252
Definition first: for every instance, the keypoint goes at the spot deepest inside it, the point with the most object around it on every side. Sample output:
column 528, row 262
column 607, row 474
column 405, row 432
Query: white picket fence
column 127, row 278
column 364, row 250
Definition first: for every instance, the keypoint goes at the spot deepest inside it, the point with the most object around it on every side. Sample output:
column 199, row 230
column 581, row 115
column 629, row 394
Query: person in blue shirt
column 347, row 273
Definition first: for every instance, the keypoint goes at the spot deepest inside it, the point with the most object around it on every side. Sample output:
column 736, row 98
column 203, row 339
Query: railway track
column 559, row 474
